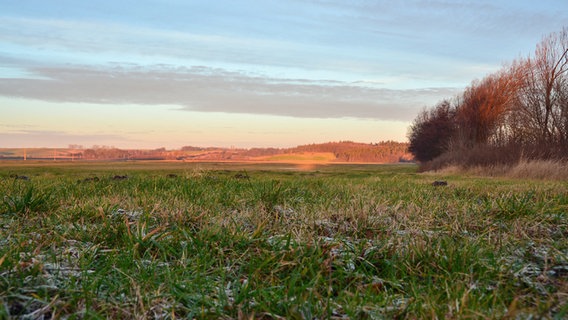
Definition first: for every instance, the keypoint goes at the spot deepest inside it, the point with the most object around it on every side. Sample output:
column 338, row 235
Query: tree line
column 518, row 112
column 344, row 151
column 349, row 151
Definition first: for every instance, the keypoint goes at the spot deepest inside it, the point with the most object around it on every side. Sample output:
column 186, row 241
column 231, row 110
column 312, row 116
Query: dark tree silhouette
column 431, row 132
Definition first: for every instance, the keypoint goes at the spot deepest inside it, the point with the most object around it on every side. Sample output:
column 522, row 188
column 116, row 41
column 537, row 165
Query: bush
column 431, row 132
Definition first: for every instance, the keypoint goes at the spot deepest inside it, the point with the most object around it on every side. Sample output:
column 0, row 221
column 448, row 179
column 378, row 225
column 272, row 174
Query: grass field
column 239, row 241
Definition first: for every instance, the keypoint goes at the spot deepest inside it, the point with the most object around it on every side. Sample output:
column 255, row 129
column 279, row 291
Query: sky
column 238, row 73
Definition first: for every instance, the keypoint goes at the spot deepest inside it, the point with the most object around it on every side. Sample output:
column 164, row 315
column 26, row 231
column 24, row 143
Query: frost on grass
column 131, row 216
column 538, row 267
column 50, row 274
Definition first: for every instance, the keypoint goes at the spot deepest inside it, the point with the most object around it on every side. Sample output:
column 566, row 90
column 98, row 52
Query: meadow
column 143, row 240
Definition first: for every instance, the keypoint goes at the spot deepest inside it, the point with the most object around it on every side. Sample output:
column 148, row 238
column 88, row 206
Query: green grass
column 177, row 240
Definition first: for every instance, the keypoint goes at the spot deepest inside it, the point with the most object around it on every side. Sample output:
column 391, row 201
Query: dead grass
column 540, row 169
column 525, row 169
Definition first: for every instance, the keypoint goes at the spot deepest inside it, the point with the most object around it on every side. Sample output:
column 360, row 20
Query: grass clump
column 339, row 241
column 26, row 198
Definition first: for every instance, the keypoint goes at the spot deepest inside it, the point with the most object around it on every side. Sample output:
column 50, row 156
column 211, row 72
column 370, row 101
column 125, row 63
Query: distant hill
column 343, row 151
column 348, row 151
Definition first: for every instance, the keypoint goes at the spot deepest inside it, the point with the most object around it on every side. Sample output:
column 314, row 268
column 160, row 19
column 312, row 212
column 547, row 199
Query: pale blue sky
column 246, row 73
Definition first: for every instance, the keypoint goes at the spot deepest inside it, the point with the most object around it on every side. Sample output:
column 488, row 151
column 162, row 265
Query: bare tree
column 562, row 123
column 483, row 107
column 542, row 97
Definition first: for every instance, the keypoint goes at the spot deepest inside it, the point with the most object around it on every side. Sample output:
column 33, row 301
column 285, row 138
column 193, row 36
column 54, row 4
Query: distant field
column 38, row 153
column 304, row 156
column 277, row 241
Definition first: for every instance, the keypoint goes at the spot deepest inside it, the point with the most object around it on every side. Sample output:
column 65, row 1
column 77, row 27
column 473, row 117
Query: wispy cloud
column 217, row 90
column 427, row 40
column 121, row 42
column 42, row 138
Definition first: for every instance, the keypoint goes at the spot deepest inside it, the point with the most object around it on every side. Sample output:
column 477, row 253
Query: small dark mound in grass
column 18, row 177
column 241, row 176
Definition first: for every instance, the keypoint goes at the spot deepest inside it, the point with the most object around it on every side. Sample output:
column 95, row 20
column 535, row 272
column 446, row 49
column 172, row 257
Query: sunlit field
column 158, row 240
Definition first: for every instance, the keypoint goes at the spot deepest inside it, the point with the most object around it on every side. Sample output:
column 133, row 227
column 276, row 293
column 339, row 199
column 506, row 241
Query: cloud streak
column 216, row 90
column 42, row 138
column 426, row 40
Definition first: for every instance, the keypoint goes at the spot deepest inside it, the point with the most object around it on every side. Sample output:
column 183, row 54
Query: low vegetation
column 234, row 241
